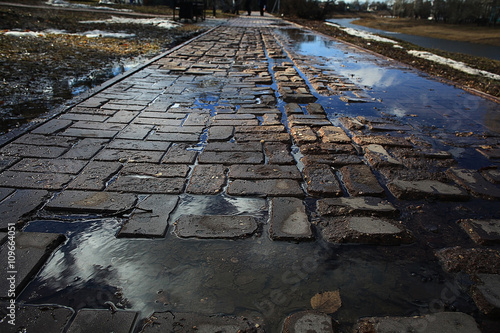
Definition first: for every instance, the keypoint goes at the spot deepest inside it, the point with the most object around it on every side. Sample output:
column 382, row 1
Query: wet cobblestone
column 236, row 115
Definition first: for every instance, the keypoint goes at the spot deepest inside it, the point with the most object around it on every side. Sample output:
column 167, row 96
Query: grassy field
column 465, row 33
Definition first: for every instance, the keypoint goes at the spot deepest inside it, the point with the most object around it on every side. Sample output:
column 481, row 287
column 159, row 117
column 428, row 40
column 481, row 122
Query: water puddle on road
column 255, row 277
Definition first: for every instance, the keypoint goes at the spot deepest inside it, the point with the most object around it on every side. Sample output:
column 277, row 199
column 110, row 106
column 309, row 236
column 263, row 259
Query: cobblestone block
column 89, row 320
column 19, row 204
column 139, row 145
column 321, row 180
column 179, row 154
column 207, row 179
column 150, row 217
column 293, row 109
column 168, row 321
column 257, row 110
column 378, row 157
column 303, row 134
column 220, row 133
column 472, row 261
column 355, row 206
column 156, row 170
column 264, row 137
column 278, row 153
column 321, row 148
column 233, row 157
column 122, row 117
column 351, row 123
column 289, row 220
column 22, row 150
column 308, row 120
column 386, row 141
column 130, row 156
column 364, row 230
column 233, row 146
column 174, row 137
column 260, row 129
column 360, row 181
column 491, row 153
column 486, row 294
column 443, row 322
column 84, row 117
column 475, row 183
column 167, row 119
column 491, row 175
column 308, row 321
column 262, row 171
column 95, row 176
column 484, row 232
column 49, row 165
column 38, row 319
column 89, row 133
column 332, row 134
column 34, row 180
column 315, row 108
column 98, row 126
column 92, row 201
column 53, row 126
column 147, row 185
column 215, row 226
column 266, row 187
column 412, row 190
column 85, row 149
column 135, row 132
column 32, row 250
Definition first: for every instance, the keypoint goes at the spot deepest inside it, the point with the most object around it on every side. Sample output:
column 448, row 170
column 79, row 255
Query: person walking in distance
column 262, row 6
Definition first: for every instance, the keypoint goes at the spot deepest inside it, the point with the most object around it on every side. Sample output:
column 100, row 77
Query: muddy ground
column 40, row 73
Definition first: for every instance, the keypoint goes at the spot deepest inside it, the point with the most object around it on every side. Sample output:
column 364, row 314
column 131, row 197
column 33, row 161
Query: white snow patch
column 453, row 63
column 88, row 34
column 159, row 22
column 62, row 3
column 362, row 34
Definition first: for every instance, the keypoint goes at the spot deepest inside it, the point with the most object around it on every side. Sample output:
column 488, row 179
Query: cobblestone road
column 235, row 113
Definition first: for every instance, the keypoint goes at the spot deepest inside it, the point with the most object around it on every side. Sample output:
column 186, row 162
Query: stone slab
column 360, row 181
column 441, row 322
column 308, row 120
column 38, row 319
column 215, row 226
column 233, row 146
column 147, row 185
column 364, row 230
column 491, row 175
column 150, row 217
column 491, row 153
column 49, row 165
column 179, row 153
column 89, row 133
column 130, row 156
column 161, row 322
column 247, row 157
column 20, row 204
column 264, row 171
column 95, row 176
column 308, row 321
column 289, row 220
column 471, row 261
column 53, row 126
column 383, row 140
column 332, row 160
column 174, row 137
column 34, row 180
column 422, row 189
column 303, row 134
column 483, row 232
column 321, row 180
column 263, row 137
column 23, row 150
column 333, row 134
column 44, row 140
column 85, row 149
column 32, row 250
column 207, row 179
column 92, row 202
column 220, row 133
column 5, row 192
column 139, row 145
column 156, row 170
column 278, row 153
column 355, row 206
column 486, row 293
column 135, row 132
column 378, row 157
column 475, row 183
column 266, row 187
column 103, row 321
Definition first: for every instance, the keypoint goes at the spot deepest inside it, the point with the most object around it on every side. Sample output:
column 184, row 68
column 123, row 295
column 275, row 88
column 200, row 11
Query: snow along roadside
column 420, row 54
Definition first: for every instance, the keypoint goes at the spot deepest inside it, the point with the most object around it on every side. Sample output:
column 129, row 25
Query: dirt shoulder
column 475, row 82
column 464, row 33
column 41, row 70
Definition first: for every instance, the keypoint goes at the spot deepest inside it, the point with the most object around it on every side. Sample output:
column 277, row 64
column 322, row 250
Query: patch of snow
column 62, row 3
column 159, row 22
column 454, row 64
column 88, row 34
column 362, row 34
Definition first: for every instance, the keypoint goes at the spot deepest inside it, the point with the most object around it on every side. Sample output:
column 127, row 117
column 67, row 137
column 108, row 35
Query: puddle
column 254, row 277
